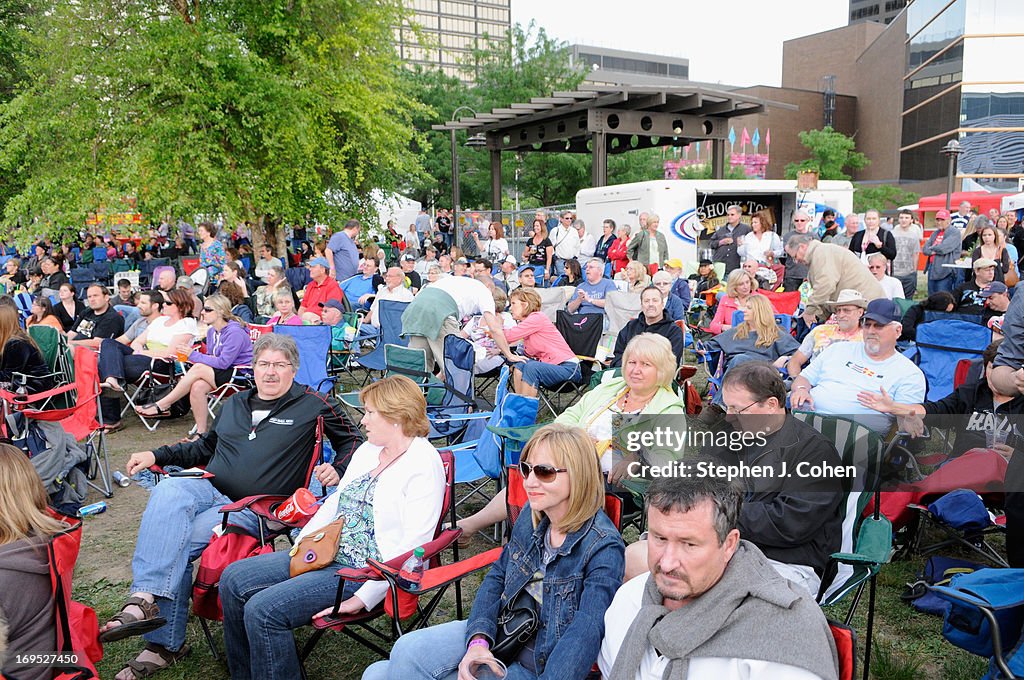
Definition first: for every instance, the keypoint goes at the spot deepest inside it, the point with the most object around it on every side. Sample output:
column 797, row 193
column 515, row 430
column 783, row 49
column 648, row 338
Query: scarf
column 751, row 613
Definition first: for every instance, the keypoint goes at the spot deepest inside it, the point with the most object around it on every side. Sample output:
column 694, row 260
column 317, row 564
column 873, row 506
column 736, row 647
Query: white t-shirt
column 160, row 332
column 471, row 296
column 400, row 294
column 892, row 287
column 619, row 618
column 495, row 249
column 844, row 369
column 588, row 244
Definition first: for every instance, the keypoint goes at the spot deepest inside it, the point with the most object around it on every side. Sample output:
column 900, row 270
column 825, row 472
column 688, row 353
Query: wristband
column 478, row 642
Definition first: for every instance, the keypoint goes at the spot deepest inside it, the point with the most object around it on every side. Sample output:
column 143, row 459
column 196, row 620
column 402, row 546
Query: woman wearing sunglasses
column 565, row 559
column 228, row 345
column 649, row 366
column 389, row 502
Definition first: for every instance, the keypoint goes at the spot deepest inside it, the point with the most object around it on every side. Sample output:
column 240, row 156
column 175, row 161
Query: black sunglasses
column 545, row 473
column 207, row 309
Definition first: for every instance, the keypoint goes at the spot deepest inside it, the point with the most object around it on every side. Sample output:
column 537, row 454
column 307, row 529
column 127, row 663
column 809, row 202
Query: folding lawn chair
column 582, row 332
column 398, row 360
column 940, row 345
column 314, row 344
column 985, row 615
column 53, row 345
column 402, row 607
column 161, row 373
column 961, row 516
column 390, row 314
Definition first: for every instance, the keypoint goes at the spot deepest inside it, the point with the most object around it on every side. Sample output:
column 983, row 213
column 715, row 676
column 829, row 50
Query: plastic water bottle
column 411, row 573
column 93, row 509
column 21, row 397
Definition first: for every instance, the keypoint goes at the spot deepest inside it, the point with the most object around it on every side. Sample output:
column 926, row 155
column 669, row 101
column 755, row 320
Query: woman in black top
column 68, row 306
column 539, row 250
column 19, row 355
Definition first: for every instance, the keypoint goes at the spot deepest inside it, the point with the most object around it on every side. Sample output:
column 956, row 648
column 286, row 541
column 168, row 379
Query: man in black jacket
column 262, row 443
column 652, row 319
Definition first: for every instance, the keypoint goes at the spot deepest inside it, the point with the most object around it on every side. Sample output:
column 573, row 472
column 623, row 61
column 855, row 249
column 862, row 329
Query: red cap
column 942, row 215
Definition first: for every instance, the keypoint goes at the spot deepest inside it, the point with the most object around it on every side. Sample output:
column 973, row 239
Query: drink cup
column 300, row 505
column 994, row 438
column 485, row 672
column 183, row 353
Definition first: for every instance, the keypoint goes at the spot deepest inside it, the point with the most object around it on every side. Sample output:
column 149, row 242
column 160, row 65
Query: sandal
column 131, row 624
column 144, row 669
column 159, row 413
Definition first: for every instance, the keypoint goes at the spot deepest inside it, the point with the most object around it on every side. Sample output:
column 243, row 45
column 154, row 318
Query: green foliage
column 703, row 171
column 832, row 153
column 242, row 108
column 881, row 197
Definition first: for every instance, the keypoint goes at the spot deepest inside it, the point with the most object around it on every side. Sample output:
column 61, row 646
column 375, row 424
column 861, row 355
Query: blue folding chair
column 940, row 345
column 784, row 321
column 298, row 278
column 389, row 312
column 99, row 254
column 314, row 344
column 354, row 287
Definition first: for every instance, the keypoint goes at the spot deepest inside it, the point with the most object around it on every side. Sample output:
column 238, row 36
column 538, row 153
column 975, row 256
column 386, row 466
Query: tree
column 881, row 197
column 831, row 154
column 237, row 108
column 703, row 171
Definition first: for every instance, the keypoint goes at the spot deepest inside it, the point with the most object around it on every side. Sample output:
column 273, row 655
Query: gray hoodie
column 27, row 603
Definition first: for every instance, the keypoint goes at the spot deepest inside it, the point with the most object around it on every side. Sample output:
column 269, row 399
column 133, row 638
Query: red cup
column 300, row 505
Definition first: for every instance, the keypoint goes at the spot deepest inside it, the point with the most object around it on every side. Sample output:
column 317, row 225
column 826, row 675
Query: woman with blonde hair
column 564, row 549
column 636, row 276
column 389, row 501
column 284, row 303
column 549, row 360
column 740, row 287
column 26, row 599
column 228, row 345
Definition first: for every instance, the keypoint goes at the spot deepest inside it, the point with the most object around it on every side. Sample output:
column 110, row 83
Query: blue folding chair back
column 389, row 312
column 511, row 410
column 298, row 277
column 314, row 343
column 940, row 345
column 99, row 254
column 985, row 617
column 447, row 419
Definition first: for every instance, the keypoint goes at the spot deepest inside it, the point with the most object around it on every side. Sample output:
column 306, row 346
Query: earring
column 394, row 424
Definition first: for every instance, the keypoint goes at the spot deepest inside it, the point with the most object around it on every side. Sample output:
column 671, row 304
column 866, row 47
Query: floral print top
column 358, row 542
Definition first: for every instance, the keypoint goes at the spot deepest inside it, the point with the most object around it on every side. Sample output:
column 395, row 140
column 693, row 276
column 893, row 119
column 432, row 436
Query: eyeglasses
column 799, row 220
column 735, row 411
column 276, row 365
column 544, row 473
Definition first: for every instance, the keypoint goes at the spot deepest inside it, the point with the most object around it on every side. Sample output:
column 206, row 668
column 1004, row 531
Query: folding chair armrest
column 855, row 559
column 259, row 504
column 948, row 593
column 16, row 398
column 359, row 575
column 439, row 577
column 518, row 434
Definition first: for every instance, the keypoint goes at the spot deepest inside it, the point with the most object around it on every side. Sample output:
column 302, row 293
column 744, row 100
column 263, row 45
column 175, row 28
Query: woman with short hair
column 211, row 251
column 549, row 360
column 286, row 315
column 564, row 556
column 389, row 500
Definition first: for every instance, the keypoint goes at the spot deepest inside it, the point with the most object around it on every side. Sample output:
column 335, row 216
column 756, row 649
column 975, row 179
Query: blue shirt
column 346, row 256
column 596, row 291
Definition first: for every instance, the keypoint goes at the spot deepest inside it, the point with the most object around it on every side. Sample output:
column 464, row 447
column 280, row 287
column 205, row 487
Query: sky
column 733, row 42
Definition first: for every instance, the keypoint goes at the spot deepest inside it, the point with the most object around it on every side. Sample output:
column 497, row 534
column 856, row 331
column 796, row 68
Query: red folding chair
column 399, row 604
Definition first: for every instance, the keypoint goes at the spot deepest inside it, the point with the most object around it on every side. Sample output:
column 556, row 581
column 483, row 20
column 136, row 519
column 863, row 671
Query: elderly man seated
column 590, row 293
column 847, row 311
column 261, row 443
column 891, row 286
column 711, row 606
column 831, row 383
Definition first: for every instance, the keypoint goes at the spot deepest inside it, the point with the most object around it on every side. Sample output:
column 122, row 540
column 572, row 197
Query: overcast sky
column 735, row 42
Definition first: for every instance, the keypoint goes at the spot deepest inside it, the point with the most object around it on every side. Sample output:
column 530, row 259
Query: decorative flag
column 756, row 139
column 745, row 139
column 686, row 152
column 732, row 138
column 768, row 139
column 698, row 150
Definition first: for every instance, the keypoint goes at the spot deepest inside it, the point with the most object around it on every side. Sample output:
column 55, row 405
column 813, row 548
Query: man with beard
column 705, row 606
column 847, row 311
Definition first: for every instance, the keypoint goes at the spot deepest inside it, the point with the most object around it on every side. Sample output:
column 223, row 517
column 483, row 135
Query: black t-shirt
column 414, row 279
column 444, row 224
column 538, row 252
column 90, row 325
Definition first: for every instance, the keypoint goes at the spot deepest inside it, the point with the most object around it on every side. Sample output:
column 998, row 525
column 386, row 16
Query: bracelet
column 478, row 642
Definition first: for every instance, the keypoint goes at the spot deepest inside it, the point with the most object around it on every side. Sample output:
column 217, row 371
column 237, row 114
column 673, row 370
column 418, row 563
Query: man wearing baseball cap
column 996, row 296
column 968, row 295
column 322, row 288
column 944, row 248
column 507, row 279
column 847, row 311
column 832, row 382
column 680, row 284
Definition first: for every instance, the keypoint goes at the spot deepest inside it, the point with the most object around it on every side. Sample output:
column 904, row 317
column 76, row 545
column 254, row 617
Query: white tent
column 398, row 208
column 1014, row 202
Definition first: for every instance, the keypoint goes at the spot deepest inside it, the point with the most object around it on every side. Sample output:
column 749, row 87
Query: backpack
column 233, row 545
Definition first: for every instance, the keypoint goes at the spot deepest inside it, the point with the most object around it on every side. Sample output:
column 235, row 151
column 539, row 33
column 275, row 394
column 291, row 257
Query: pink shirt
column 541, row 339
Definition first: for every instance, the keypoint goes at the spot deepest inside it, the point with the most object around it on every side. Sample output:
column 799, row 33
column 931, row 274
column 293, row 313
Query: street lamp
column 951, row 151
column 475, row 140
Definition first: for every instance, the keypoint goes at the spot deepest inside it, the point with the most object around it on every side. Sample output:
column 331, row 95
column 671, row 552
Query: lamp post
column 475, row 140
column 952, row 150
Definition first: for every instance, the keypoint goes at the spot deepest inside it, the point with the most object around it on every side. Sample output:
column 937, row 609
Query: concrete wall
column 805, row 60
column 786, row 125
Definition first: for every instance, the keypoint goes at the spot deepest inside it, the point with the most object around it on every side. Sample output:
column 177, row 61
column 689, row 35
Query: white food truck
column 691, row 210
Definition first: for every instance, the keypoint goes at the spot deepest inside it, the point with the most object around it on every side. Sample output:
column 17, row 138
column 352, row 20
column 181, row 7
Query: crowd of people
column 716, row 567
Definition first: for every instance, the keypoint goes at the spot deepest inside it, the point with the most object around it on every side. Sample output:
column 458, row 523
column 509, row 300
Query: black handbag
column 518, row 621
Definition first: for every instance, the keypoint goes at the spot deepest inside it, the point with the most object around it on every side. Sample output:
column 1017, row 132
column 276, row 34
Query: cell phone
column 187, row 473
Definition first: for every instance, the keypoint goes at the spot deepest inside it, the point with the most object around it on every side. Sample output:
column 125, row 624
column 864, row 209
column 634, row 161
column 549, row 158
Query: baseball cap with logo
column 942, row 215
column 883, row 311
column 994, row 288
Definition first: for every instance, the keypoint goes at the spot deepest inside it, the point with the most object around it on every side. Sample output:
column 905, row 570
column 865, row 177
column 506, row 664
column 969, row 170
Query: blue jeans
column 130, row 313
column 946, row 284
column 176, row 527
column 537, row 373
column 431, row 653
column 262, row 605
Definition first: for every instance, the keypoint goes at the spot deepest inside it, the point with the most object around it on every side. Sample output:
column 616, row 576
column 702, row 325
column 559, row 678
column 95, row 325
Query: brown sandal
column 131, row 624
column 144, row 669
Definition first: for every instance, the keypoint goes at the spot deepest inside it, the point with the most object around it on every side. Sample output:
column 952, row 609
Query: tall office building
column 882, row 11
column 449, row 31
column 963, row 81
column 620, row 67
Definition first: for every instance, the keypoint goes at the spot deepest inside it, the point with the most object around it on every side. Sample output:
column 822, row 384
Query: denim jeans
column 431, row 653
column 548, row 375
column 176, row 527
column 946, row 284
column 262, row 605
